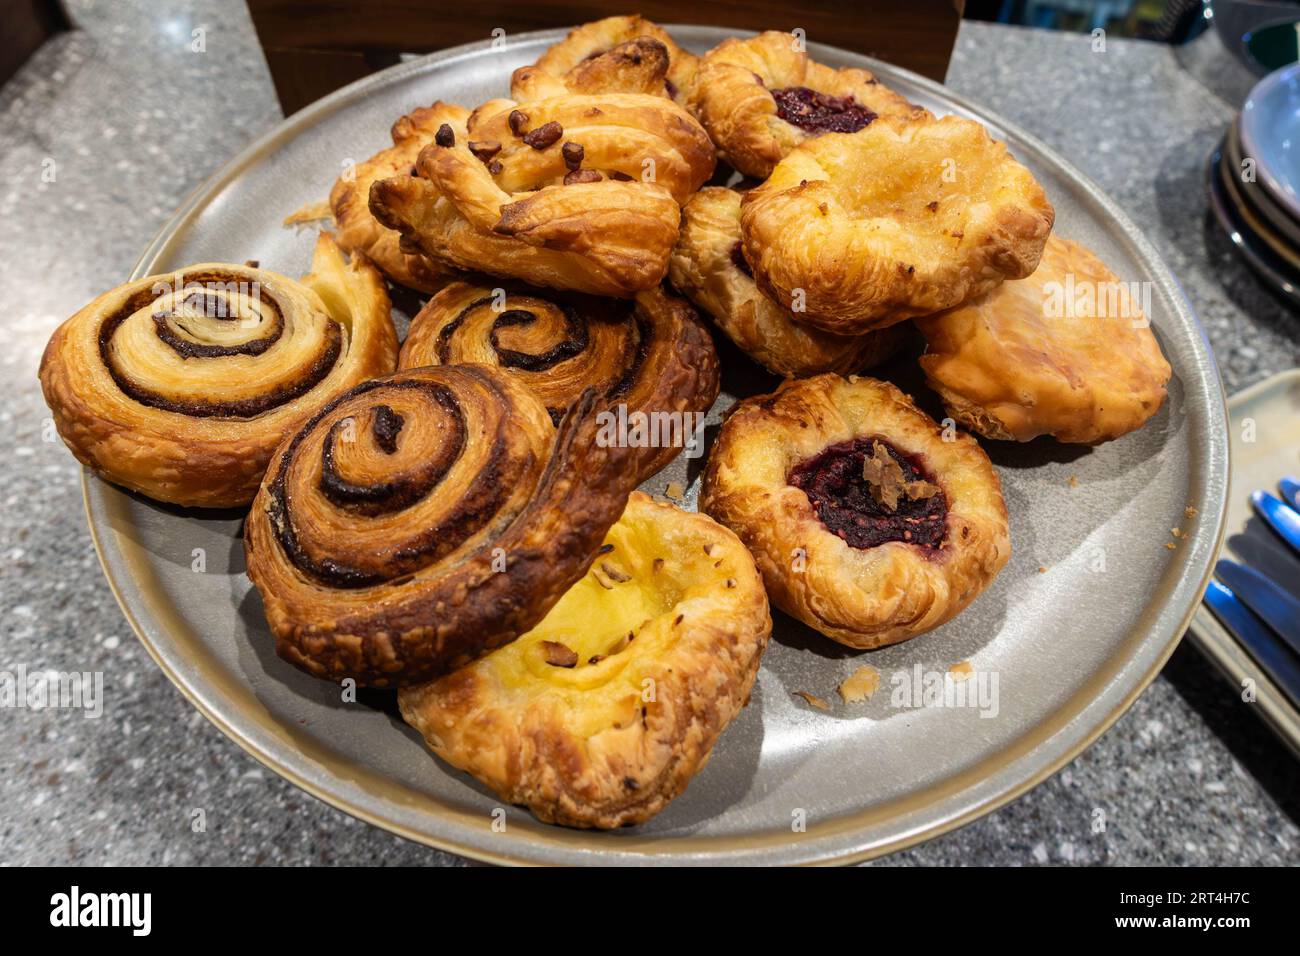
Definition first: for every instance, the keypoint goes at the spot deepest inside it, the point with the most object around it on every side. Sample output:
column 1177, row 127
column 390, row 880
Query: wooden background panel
column 315, row 46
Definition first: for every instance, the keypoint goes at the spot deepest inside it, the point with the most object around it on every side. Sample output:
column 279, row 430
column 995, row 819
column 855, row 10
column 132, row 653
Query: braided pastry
column 359, row 231
column 708, row 267
column 759, row 98
column 599, row 53
column 904, row 218
column 652, row 354
column 602, row 713
column 180, row 386
column 867, row 522
column 425, row 518
column 1066, row 352
column 573, row 192
column 636, row 66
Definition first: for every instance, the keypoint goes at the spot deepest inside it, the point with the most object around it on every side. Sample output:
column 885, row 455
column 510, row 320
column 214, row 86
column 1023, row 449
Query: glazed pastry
column 425, row 518
column 759, row 98
column 707, row 266
column 651, row 354
column 868, row 523
column 180, row 386
column 1066, row 352
column 596, row 51
column 575, row 192
column 904, row 218
column 359, row 231
column 639, row 65
column 603, row 712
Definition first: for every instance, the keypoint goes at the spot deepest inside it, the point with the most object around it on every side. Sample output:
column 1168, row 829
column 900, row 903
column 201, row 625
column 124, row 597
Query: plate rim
column 584, row 847
column 1277, row 189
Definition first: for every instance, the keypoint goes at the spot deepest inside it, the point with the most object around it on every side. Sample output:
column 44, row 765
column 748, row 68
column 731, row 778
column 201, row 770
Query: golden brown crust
column 862, row 597
column 425, row 518
column 1066, row 352
column 732, row 97
column 665, row 633
column 704, row 267
column 183, row 397
column 903, row 218
column 495, row 198
column 651, row 356
column 594, row 57
column 635, row 66
column 358, row 229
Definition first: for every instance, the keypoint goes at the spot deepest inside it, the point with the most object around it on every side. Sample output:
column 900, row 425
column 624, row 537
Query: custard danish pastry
column 603, row 712
column 651, row 355
column 180, row 386
column 422, row 519
column 858, row 231
column 577, row 192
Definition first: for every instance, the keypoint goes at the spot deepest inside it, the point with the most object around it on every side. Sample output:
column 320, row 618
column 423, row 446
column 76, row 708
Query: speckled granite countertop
column 128, row 119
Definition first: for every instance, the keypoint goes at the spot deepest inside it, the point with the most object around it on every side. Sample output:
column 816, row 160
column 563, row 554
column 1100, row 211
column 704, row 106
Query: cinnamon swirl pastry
column 358, row 229
column 574, row 192
column 180, row 386
column 1066, row 352
column 652, row 354
column 598, row 56
column 708, row 267
column 867, row 522
column 904, row 218
column 759, row 98
column 603, row 712
column 422, row 519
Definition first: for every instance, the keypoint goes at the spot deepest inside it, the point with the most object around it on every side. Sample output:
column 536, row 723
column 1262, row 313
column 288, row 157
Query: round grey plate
column 1082, row 618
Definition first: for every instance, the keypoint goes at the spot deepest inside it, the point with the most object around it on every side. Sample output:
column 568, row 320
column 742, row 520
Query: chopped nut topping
column 813, row 700
column 517, row 120
column 444, row 137
column 484, row 149
column 545, row 135
column 860, row 685
column 559, row 655
column 495, row 167
column 884, row 475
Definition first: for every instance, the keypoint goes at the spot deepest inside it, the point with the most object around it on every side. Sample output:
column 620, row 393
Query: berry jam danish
column 867, row 522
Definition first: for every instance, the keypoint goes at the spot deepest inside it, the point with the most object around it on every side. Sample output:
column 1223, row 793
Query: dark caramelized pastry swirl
column 423, row 519
column 180, row 386
column 651, row 354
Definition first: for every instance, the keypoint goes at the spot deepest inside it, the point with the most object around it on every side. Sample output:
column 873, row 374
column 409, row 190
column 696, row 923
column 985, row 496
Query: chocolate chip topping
column 484, row 149
column 581, row 176
column 444, row 137
column 573, row 153
column 545, row 135
column 518, row 120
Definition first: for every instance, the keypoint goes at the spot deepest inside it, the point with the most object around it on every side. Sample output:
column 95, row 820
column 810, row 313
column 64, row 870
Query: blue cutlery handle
column 1290, row 490
column 1273, row 657
column 1281, row 517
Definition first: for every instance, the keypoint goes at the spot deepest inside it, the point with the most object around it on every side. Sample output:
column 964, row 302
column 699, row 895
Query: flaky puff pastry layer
column 863, row 598
column 425, row 518
column 708, row 268
column 603, row 713
column 359, row 231
column 732, row 97
column 180, row 386
column 1066, row 352
column 903, row 218
column 640, row 65
column 651, row 354
column 596, row 57
column 575, row 192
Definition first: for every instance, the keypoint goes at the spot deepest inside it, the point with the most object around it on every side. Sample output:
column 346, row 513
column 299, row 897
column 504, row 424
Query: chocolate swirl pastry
column 759, row 98
column 867, row 521
column 425, row 518
column 613, row 55
column 180, row 386
column 650, row 354
column 576, row 192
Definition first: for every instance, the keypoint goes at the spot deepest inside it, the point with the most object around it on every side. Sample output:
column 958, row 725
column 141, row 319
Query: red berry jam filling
column 820, row 113
column 869, row 493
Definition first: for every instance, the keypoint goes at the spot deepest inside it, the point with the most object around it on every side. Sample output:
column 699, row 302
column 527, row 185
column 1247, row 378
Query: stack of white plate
column 1254, row 181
